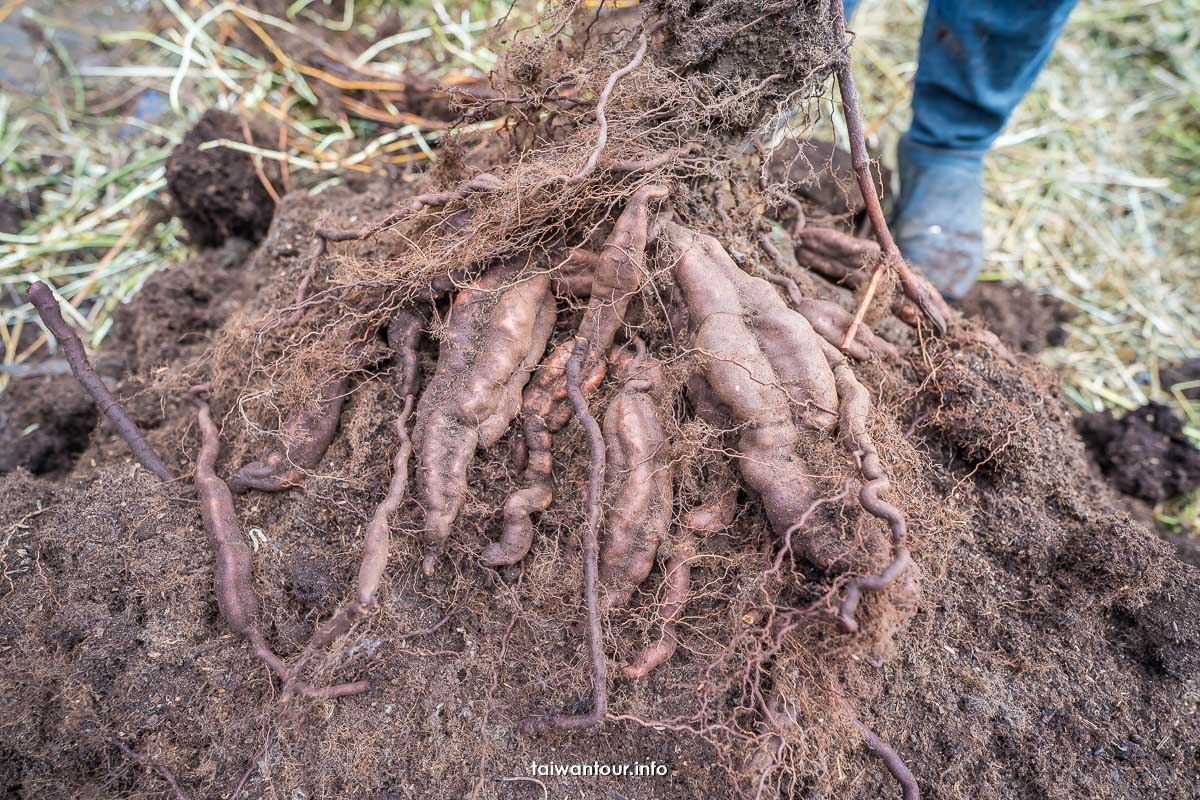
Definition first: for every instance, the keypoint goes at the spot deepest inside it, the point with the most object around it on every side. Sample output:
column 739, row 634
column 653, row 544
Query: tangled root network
column 623, row 300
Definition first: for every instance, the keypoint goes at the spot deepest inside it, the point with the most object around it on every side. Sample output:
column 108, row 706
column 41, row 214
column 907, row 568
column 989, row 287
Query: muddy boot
column 939, row 216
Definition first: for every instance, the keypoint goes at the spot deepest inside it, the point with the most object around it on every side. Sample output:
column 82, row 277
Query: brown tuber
column 712, row 517
column 616, row 276
column 765, row 367
column 639, row 479
column 236, row 598
column 305, row 438
column 497, row 331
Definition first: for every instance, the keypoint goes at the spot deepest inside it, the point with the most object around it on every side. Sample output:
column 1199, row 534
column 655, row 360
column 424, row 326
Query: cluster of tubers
column 767, row 370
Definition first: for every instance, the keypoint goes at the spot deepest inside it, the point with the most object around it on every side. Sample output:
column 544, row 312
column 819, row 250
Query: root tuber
column 615, row 280
column 305, row 439
column 832, row 321
column 711, row 517
column 639, row 480
column 47, row 307
column 234, row 586
column 847, row 260
column 403, row 337
column 760, row 359
column 497, row 331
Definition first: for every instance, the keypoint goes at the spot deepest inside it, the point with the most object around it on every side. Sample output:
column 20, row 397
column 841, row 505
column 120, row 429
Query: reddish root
column 305, row 439
column 920, row 291
column 712, row 517
column 376, row 546
column 601, row 104
column 48, row 309
column 891, row 759
column 536, row 725
column 236, row 598
column 853, row 411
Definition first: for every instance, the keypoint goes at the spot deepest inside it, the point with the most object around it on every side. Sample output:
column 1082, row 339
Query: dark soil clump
column 1143, row 454
column 1026, row 320
column 217, row 192
column 11, row 216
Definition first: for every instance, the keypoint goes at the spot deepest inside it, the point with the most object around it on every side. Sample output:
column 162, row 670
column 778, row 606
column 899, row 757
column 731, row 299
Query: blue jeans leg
column 977, row 60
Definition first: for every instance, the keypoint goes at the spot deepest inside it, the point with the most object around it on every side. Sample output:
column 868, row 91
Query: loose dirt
column 1053, row 654
column 1144, row 453
column 1023, row 319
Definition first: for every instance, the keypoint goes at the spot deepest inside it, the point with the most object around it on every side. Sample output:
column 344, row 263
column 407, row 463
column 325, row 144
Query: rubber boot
column 938, row 220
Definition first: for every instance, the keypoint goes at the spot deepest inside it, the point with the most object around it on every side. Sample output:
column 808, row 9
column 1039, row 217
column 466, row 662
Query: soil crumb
column 11, row 216
column 1024, row 319
column 217, row 192
column 1144, row 453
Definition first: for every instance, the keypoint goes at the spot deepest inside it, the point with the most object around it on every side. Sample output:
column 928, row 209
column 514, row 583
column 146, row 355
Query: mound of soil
column 1026, row 320
column 217, row 192
column 1144, row 453
column 1053, row 655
